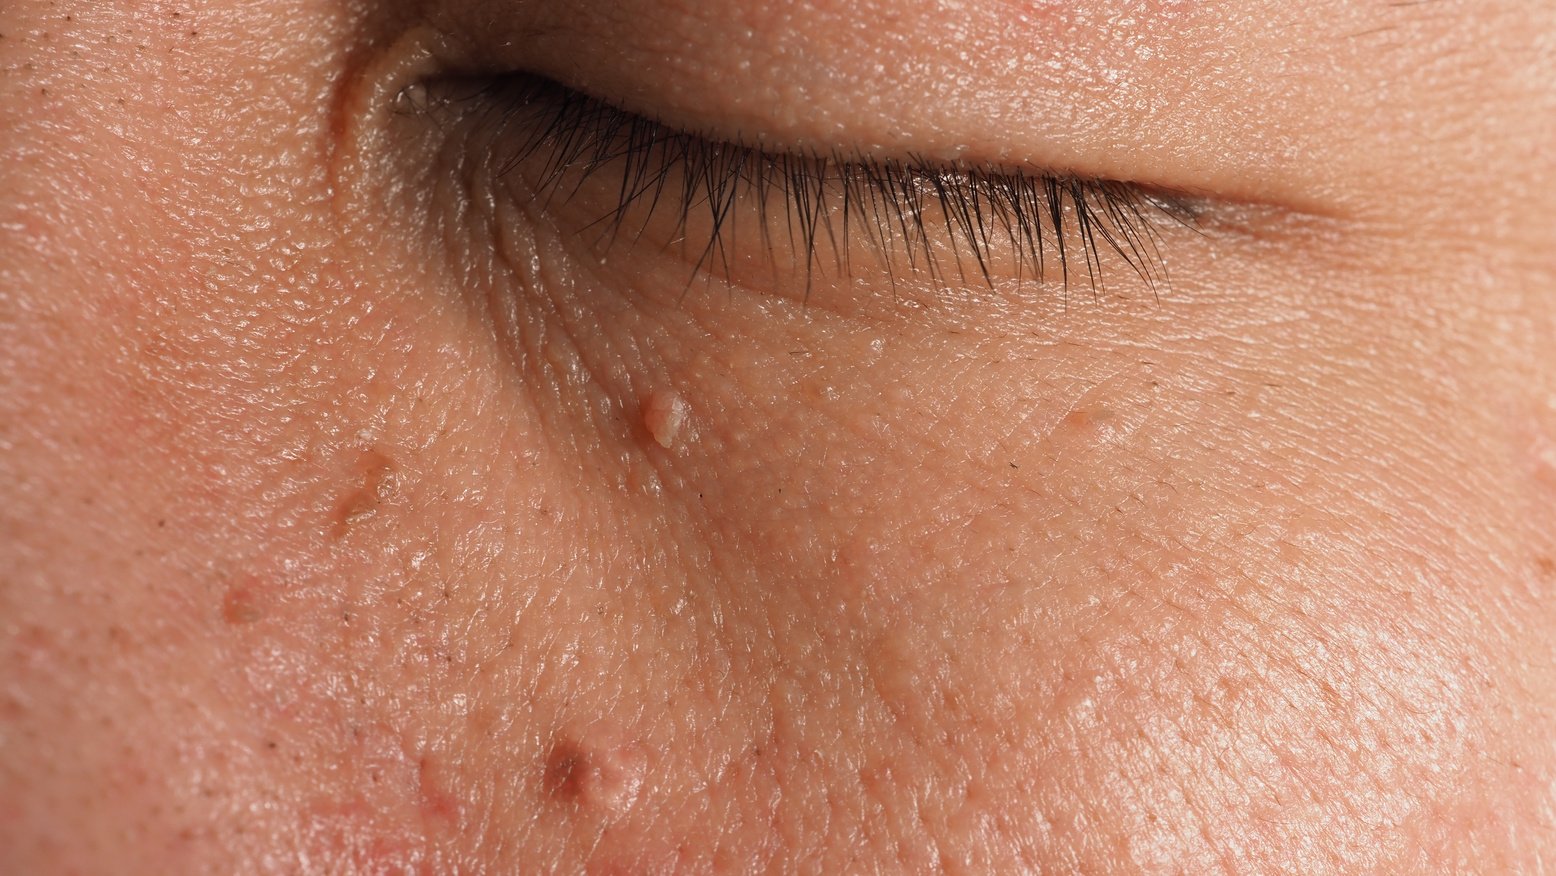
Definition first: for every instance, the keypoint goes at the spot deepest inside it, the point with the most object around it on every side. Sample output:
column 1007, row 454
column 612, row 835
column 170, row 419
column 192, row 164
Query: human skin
column 347, row 527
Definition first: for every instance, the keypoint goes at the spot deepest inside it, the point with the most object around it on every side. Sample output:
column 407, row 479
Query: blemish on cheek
column 242, row 603
column 436, row 802
column 598, row 773
column 1087, row 418
column 664, row 414
column 377, row 481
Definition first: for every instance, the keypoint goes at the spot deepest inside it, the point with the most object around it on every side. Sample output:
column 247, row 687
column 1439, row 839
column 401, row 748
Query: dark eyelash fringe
column 826, row 198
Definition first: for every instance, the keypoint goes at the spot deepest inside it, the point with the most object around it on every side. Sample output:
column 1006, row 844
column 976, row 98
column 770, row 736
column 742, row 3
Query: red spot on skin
column 598, row 771
column 241, row 604
column 436, row 803
column 352, row 835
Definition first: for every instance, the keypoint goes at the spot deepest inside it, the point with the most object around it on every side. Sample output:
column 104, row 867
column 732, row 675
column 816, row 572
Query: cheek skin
column 1096, row 644
column 340, row 544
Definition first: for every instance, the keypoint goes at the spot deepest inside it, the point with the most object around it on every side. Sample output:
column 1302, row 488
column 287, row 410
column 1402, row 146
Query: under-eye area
column 722, row 211
column 777, row 436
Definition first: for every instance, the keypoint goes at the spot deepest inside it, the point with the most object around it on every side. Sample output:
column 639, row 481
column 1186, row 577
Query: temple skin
column 336, row 537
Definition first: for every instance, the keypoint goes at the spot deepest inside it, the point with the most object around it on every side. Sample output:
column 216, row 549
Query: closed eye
column 820, row 210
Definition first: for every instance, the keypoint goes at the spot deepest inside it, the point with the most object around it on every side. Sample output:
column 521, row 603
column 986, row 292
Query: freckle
column 602, row 774
column 1546, row 566
column 663, row 414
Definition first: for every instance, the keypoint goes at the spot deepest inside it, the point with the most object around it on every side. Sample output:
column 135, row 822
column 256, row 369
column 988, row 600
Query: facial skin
column 340, row 535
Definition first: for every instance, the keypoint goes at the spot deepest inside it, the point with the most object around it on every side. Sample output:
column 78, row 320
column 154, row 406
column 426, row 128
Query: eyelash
column 826, row 198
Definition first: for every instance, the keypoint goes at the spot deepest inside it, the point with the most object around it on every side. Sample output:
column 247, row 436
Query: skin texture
column 344, row 530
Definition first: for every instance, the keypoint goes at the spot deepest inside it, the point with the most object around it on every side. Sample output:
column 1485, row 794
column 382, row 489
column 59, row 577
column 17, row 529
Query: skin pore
column 369, row 509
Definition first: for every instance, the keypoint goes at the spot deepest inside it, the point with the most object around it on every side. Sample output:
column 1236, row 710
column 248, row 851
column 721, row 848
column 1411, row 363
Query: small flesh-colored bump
column 663, row 414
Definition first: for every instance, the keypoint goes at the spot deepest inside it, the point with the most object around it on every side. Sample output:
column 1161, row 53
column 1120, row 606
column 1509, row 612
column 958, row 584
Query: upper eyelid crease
column 1046, row 220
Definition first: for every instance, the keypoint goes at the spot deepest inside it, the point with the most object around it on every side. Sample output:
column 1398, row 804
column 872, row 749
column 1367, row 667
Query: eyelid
column 907, row 208
column 1019, row 85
